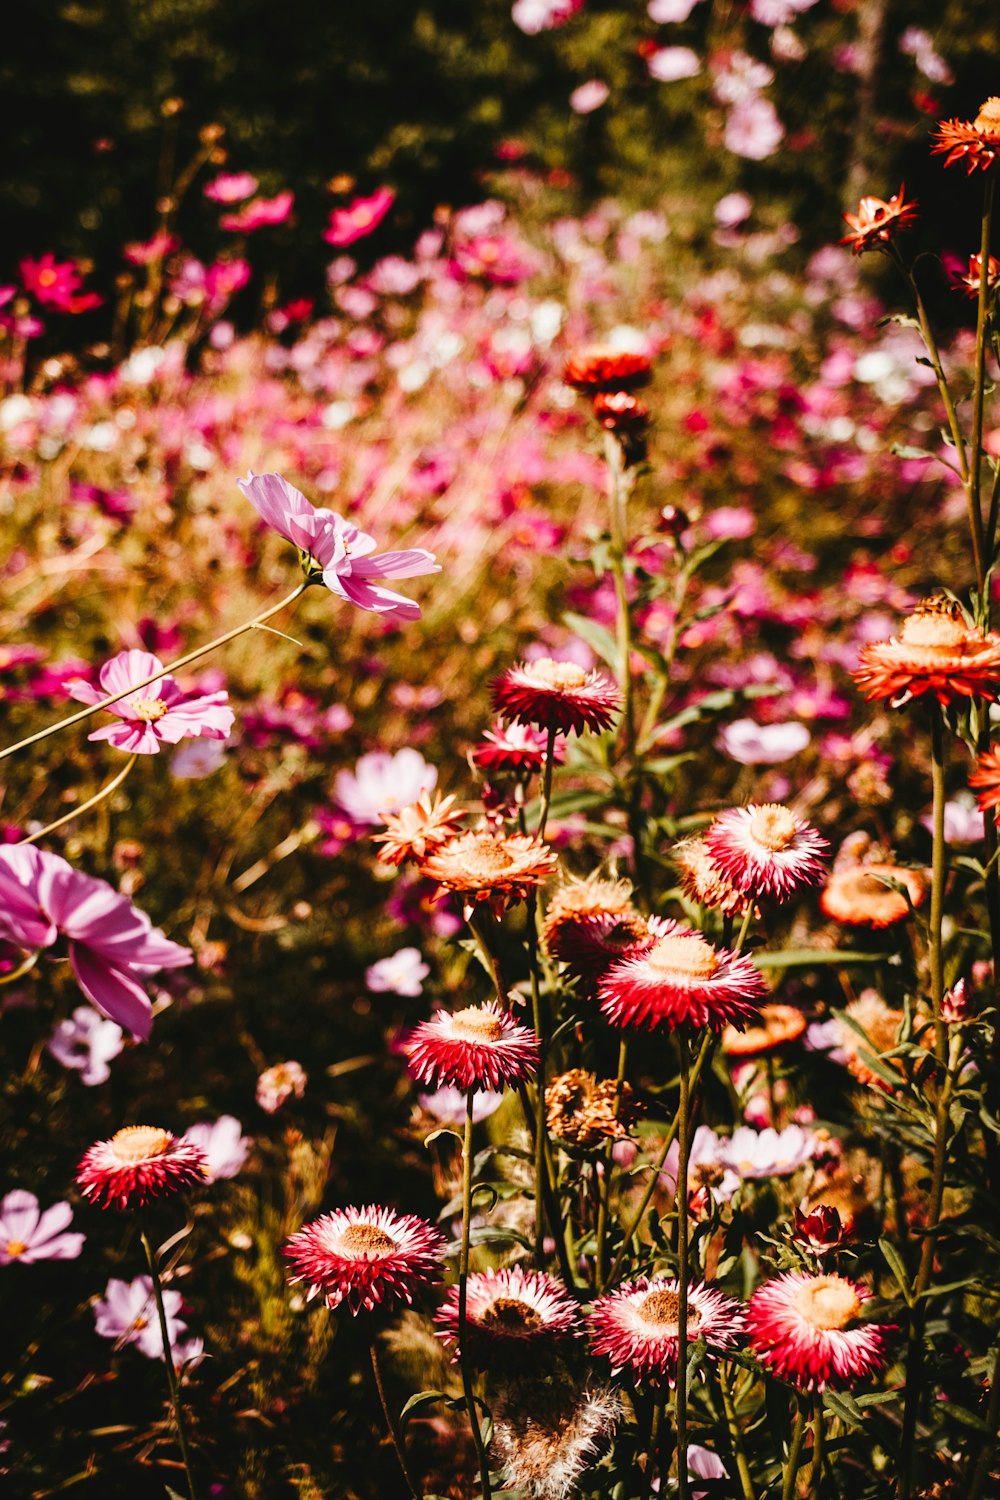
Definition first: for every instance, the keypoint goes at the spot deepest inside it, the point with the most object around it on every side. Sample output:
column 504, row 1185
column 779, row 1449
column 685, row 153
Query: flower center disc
column 661, row 1308
column 773, row 826
column 140, row 1143
column 511, row 1314
column 828, row 1302
column 366, row 1238
column 688, row 956
column 474, row 1025
column 149, row 709
column 484, row 860
column 931, row 631
column 988, row 117
column 16, row 1248
column 561, row 676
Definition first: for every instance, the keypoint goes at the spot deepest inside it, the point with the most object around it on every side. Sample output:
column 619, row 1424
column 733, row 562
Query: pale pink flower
column 768, row 1153
column 753, row 129
column 533, row 16
column 223, row 1145
column 158, row 712
column 127, row 1313
column 276, row 1085
column 259, row 213
column 762, row 744
column 339, row 553
column 111, row 943
column 402, row 973
column 382, row 784
column 665, row 11
column 671, row 64
column 28, row 1235
column 589, row 96
column 86, row 1042
column 231, row 187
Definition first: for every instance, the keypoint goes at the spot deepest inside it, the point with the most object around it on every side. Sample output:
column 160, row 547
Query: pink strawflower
column 27, row 1235
column 276, row 1085
column 681, row 980
column 636, row 1326
column 127, row 1313
column 231, row 187
column 86, row 1042
column 508, row 1312
column 158, row 712
column 765, row 850
column 481, row 1047
column 223, row 1145
column 556, row 695
column 800, row 1328
column 111, row 943
column 365, row 1256
column 335, row 550
column 138, row 1163
column 360, row 217
column 514, row 749
column 259, row 213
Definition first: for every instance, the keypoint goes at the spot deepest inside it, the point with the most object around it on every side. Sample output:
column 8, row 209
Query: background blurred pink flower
column 86, row 1042
column 26, row 1235
column 401, row 973
column 259, row 213
column 127, row 1313
column 231, row 187
column 589, row 96
column 533, row 16
column 223, row 1145
column 360, row 217
column 383, row 783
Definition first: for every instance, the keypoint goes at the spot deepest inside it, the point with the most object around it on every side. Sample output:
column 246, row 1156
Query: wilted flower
column 681, row 980
column 548, row 1430
column 877, row 222
column 958, row 1004
column 481, row 1047
column 223, row 1145
column 636, row 1326
column 508, row 1313
column 587, row 1111
column 702, row 880
column 765, row 850
column 127, row 1312
column 976, row 142
column 800, row 1327
column 878, row 1023
column 28, row 1234
column 86, row 1042
column 365, row 1256
column 276, row 1085
column 556, row 695
column 937, row 653
column 138, row 1163
column 160, row 712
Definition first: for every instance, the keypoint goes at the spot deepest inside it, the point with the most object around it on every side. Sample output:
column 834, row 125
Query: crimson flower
column 975, row 142
column 509, row 1311
column 481, row 1047
column 365, row 1256
column 803, row 1328
column 681, row 980
column 556, row 695
column 765, row 850
column 636, row 1326
column 138, row 1163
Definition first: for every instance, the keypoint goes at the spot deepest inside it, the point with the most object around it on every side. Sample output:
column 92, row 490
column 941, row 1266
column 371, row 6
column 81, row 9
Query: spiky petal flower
column 636, row 1326
column 971, row 280
column 601, row 368
column 765, row 850
column 365, row 1256
column 800, row 1327
column 138, row 1163
column 548, row 1429
column 556, row 695
column 986, row 779
column 507, row 1312
column 878, row 221
column 514, row 750
column 483, row 868
column 417, row 830
column 681, row 980
column 704, row 882
column 936, row 652
column 865, row 895
column 975, row 142
column 481, row 1047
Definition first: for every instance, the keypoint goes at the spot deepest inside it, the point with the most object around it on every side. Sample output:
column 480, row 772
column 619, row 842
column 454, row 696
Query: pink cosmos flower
column 111, row 943
column 231, row 187
column 127, row 1313
column 670, row 64
column 402, row 973
column 762, row 744
column 359, row 218
column 337, row 550
column 145, row 252
column 753, row 129
column 259, row 213
column 56, row 284
column 160, row 711
column 767, row 1153
column 589, row 96
column 86, row 1042
column 382, row 784
column 222, row 1144
column 533, row 16
column 26, row 1235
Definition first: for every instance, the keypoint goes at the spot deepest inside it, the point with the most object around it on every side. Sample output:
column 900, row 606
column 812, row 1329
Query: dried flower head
column 481, row 1047
column 766, row 850
column 681, row 980
column 866, row 895
column 776, row 1026
column 138, row 1163
column 877, row 221
column 601, row 368
column 704, row 882
column 364, row 1256
column 498, row 870
column 556, row 695
column 508, row 1312
column 636, row 1326
column 417, row 830
column 936, row 652
column 975, row 142
column 587, row 1111
column 591, row 924
column 801, row 1327
column 548, row 1429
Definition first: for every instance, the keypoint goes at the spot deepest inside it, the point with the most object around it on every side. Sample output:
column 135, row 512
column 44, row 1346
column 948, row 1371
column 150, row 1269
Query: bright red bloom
column 514, row 749
column 765, row 850
column 971, row 279
column 508, row 1312
column 600, row 368
column 681, row 980
column 481, row 1047
column 937, row 653
column 636, row 1326
column 138, row 1163
column 556, row 695
column 877, row 222
column 976, row 142
column 56, row 284
column 986, row 779
column 822, row 1230
column 359, row 218
column 364, row 1256
column 800, row 1327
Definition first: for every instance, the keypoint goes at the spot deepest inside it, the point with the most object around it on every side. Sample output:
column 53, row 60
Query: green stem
column 992, row 1419
column 794, row 1455
column 605, row 1197
column 25, row 967
column 546, row 797
column 819, row 1449
column 736, row 1436
column 77, row 812
column 174, row 666
column 463, row 1295
column 681, row 1199
column 618, row 555
column 168, row 1357
column 979, row 386
column 397, row 1441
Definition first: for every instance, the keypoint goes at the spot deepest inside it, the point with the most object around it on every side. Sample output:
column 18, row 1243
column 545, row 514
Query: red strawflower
column 765, row 850
column 975, row 142
column 936, row 652
column 986, row 779
column 799, row 1327
column 507, row 1312
column 681, row 980
column 481, row 1047
column 601, row 368
column 364, row 1256
column 514, row 749
column 636, row 1326
column 822, row 1231
column 971, row 280
column 138, row 1163
column 877, row 222
column 556, row 695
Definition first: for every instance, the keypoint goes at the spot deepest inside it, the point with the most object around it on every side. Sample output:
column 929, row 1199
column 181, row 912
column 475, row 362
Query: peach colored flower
column 936, row 652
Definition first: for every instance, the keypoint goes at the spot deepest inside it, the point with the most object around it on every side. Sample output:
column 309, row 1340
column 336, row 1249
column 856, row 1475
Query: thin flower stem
column 168, row 1356
column 992, row 1420
column 182, row 661
column 463, row 1294
column 605, row 1197
column 736, row 1436
column 979, row 386
column 744, row 929
column 819, row 1449
column 794, row 1455
column 619, row 551
column 397, row 1441
column 681, row 1199
column 25, row 967
column 546, row 797
column 77, row 812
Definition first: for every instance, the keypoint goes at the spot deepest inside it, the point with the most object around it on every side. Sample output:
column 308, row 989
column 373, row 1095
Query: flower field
column 499, row 897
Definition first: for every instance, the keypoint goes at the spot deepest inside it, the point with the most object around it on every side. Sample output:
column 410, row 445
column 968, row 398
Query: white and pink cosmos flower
column 27, row 1234
column 127, row 1313
column 337, row 550
column 111, row 944
column 767, row 1153
column 86, row 1043
column 223, row 1145
column 159, row 712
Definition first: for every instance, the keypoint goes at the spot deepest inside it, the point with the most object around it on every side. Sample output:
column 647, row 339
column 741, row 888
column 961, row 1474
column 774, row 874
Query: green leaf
column 799, row 958
column 903, row 450
column 843, row 1405
column 965, row 1417
column 421, row 1399
column 894, row 1261
column 597, row 637
column 444, row 1130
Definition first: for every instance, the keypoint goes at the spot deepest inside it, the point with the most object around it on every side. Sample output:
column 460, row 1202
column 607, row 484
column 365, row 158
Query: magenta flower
column 27, row 1235
column 87, row 1043
column 111, row 943
column 231, row 187
column 223, row 1145
column 159, row 711
column 359, row 218
column 341, row 553
column 259, row 213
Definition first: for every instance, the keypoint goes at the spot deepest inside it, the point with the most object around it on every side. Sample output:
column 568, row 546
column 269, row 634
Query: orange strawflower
column 936, row 652
column 778, row 1025
column 986, row 777
column 601, row 368
column 859, row 895
column 972, row 280
column 484, row 868
column 975, row 142
column 877, row 222
column 417, row 830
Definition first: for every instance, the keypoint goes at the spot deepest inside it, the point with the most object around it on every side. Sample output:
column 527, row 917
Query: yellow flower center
column 687, row 955
column 149, row 709
column 988, row 117
column 140, row 1143
column 513, row 1314
column 16, row 1248
column 475, row 1025
column 827, row 1302
column 773, row 826
column 482, row 861
column 560, row 676
column 366, row 1239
